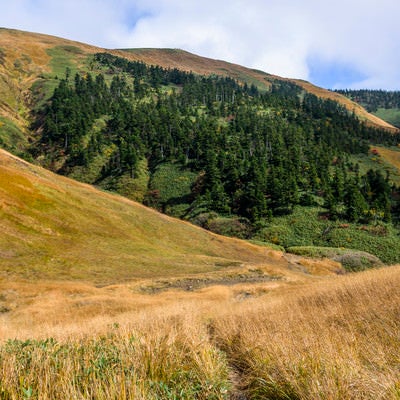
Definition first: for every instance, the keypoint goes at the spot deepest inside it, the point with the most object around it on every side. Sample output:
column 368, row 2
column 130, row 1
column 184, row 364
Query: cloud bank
column 346, row 43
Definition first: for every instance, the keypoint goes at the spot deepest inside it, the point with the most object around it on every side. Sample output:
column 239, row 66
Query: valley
column 176, row 227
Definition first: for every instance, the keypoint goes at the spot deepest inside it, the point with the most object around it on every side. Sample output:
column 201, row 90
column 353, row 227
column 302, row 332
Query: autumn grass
column 351, row 106
column 333, row 338
column 392, row 156
column 338, row 341
column 147, row 365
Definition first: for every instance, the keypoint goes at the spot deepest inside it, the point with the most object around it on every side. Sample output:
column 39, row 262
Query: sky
column 334, row 44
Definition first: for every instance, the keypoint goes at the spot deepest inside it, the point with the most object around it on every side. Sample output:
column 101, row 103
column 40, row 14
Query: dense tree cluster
column 256, row 154
column 371, row 100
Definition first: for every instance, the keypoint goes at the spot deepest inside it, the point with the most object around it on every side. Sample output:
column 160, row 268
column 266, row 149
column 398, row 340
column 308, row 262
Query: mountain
column 28, row 58
column 175, row 58
column 234, row 150
column 102, row 297
column 382, row 103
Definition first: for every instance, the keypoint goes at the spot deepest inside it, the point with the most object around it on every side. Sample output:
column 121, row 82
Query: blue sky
column 334, row 44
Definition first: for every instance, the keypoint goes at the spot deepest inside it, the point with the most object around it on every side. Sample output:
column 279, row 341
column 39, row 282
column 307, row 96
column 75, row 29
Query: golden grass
column 391, row 156
column 333, row 338
column 350, row 105
column 337, row 341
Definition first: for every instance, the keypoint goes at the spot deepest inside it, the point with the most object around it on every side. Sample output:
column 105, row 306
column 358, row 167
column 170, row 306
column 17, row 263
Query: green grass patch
column 63, row 57
column 11, row 136
column 391, row 115
column 43, row 89
column 375, row 162
column 133, row 188
column 307, row 226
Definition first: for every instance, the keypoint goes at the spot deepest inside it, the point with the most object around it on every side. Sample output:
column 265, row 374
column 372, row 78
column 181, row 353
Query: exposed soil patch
column 194, row 283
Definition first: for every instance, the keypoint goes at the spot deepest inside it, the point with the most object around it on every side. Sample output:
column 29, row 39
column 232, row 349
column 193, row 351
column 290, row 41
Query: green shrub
column 308, row 226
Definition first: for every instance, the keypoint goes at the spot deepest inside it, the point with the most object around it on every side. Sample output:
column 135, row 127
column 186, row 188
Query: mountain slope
column 27, row 59
column 55, row 228
column 226, row 154
column 175, row 58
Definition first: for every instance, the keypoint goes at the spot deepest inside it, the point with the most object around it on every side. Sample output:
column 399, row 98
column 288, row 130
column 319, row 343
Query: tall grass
column 339, row 341
column 165, row 364
column 336, row 338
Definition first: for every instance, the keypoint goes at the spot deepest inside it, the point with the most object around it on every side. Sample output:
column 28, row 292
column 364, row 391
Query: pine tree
column 356, row 205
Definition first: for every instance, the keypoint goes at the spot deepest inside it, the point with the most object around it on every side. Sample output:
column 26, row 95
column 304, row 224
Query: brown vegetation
column 391, row 156
column 333, row 338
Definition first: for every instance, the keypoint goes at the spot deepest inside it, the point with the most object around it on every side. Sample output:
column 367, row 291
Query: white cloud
column 277, row 36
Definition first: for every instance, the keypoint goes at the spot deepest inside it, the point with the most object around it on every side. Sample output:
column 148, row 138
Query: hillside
column 104, row 298
column 55, row 228
column 28, row 58
column 175, row 58
column 233, row 150
column 382, row 103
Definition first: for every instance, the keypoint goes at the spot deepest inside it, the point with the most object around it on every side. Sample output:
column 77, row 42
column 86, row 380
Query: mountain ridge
column 202, row 64
column 24, row 57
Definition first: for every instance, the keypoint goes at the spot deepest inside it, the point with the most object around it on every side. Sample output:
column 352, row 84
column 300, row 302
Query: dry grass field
column 325, row 338
column 101, row 298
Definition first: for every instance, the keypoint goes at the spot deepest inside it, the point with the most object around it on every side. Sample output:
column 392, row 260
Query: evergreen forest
column 213, row 150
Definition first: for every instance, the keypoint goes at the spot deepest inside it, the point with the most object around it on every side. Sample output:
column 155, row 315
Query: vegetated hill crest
column 176, row 58
column 25, row 57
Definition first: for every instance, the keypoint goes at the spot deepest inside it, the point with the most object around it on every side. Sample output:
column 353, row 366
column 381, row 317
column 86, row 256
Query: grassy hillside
column 55, row 228
column 34, row 67
column 101, row 297
column 392, row 115
column 385, row 104
column 25, row 59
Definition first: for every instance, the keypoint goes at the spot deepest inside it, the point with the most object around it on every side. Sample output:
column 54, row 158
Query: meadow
column 328, row 337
